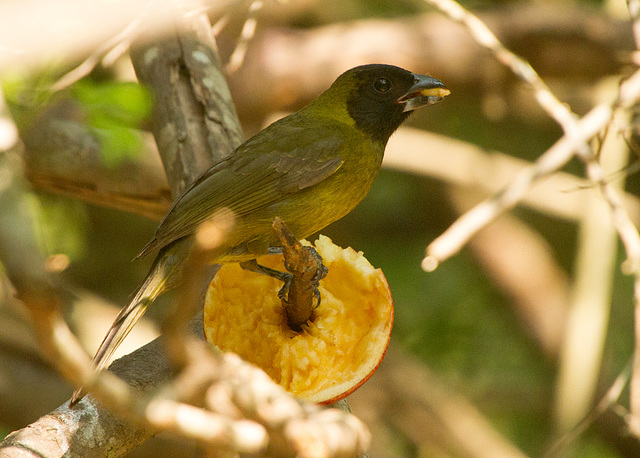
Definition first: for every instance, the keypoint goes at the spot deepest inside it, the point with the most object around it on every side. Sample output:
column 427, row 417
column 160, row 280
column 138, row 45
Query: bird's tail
column 154, row 285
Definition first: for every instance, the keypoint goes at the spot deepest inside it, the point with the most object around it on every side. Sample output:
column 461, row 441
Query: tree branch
column 194, row 120
column 555, row 157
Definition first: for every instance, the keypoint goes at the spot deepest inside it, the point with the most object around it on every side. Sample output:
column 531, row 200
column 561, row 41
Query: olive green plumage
column 310, row 168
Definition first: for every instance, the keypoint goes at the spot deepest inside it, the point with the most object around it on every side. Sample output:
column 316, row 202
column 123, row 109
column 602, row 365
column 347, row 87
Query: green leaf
column 26, row 93
column 117, row 143
column 60, row 224
column 113, row 112
column 125, row 104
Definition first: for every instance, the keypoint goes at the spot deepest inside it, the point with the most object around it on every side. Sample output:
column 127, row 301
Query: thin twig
column 558, row 155
column 609, row 399
column 577, row 133
column 452, row 240
column 594, row 271
column 627, row 231
column 247, row 34
column 208, row 237
column 107, row 52
column 220, row 24
column 74, row 29
column 574, row 142
column 520, row 67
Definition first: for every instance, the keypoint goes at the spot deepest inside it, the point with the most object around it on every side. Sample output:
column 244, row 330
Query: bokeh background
column 481, row 360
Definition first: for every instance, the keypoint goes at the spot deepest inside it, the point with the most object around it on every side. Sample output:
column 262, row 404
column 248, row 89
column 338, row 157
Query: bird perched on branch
column 310, row 169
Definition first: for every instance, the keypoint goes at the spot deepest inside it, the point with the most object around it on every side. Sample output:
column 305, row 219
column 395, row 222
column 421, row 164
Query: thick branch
column 194, row 120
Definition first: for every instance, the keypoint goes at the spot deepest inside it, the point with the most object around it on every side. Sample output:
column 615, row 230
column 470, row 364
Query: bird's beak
column 425, row 91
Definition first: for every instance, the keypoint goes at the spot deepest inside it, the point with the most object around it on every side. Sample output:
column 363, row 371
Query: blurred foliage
column 60, row 224
column 27, row 93
column 340, row 11
column 113, row 111
column 113, row 239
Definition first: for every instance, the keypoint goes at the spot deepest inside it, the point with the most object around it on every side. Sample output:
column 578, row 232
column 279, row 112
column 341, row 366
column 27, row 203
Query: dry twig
column 610, row 398
column 248, row 31
column 577, row 134
column 520, row 67
column 108, row 52
column 452, row 240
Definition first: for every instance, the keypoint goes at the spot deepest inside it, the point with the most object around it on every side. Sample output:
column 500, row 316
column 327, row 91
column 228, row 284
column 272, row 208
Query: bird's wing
column 264, row 170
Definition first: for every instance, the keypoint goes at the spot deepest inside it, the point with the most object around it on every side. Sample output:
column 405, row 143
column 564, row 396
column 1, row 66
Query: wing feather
column 269, row 167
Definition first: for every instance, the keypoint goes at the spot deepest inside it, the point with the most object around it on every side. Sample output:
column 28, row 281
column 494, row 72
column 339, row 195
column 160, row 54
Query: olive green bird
column 310, row 168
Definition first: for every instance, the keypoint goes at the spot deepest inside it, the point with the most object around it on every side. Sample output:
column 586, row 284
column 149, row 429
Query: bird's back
column 309, row 171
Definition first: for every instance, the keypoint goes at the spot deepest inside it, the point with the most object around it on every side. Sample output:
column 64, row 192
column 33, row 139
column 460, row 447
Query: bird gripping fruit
column 310, row 169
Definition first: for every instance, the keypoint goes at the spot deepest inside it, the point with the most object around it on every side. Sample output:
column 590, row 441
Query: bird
column 310, row 169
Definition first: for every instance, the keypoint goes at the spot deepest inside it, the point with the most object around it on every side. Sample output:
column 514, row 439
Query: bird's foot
column 321, row 272
column 253, row 266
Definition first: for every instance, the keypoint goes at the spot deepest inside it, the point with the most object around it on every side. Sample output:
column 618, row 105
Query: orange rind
column 335, row 353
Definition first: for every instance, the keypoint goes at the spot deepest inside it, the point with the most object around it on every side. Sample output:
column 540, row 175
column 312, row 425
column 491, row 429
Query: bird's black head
column 381, row 96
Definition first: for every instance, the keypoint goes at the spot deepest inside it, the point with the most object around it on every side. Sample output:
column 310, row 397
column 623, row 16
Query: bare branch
column 521, row 68
column 590, row 302
column 610, row 398
column 248, row 32
column 116, row 45
column 194, row 121
column 555, row 157
column 559, row 195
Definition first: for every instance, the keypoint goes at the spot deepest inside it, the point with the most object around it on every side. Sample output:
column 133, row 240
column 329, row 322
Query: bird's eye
column 382, row 85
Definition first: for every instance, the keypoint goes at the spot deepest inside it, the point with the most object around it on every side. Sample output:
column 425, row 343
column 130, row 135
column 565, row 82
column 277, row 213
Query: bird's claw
column 322, row 269
column 316, row 294
column 284, row 291
column 303, row 278
column 320, row 274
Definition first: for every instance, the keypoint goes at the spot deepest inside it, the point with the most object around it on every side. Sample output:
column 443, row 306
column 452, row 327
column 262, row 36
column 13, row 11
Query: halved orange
column 335, row 353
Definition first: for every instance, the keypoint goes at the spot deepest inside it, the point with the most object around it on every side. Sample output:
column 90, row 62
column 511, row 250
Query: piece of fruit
column 335, row 353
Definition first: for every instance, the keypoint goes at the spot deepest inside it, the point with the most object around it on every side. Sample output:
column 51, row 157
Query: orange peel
column 335, row 353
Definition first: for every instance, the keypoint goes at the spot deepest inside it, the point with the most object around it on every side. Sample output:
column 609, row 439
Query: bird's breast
column 322, row 204
column 310, row 209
